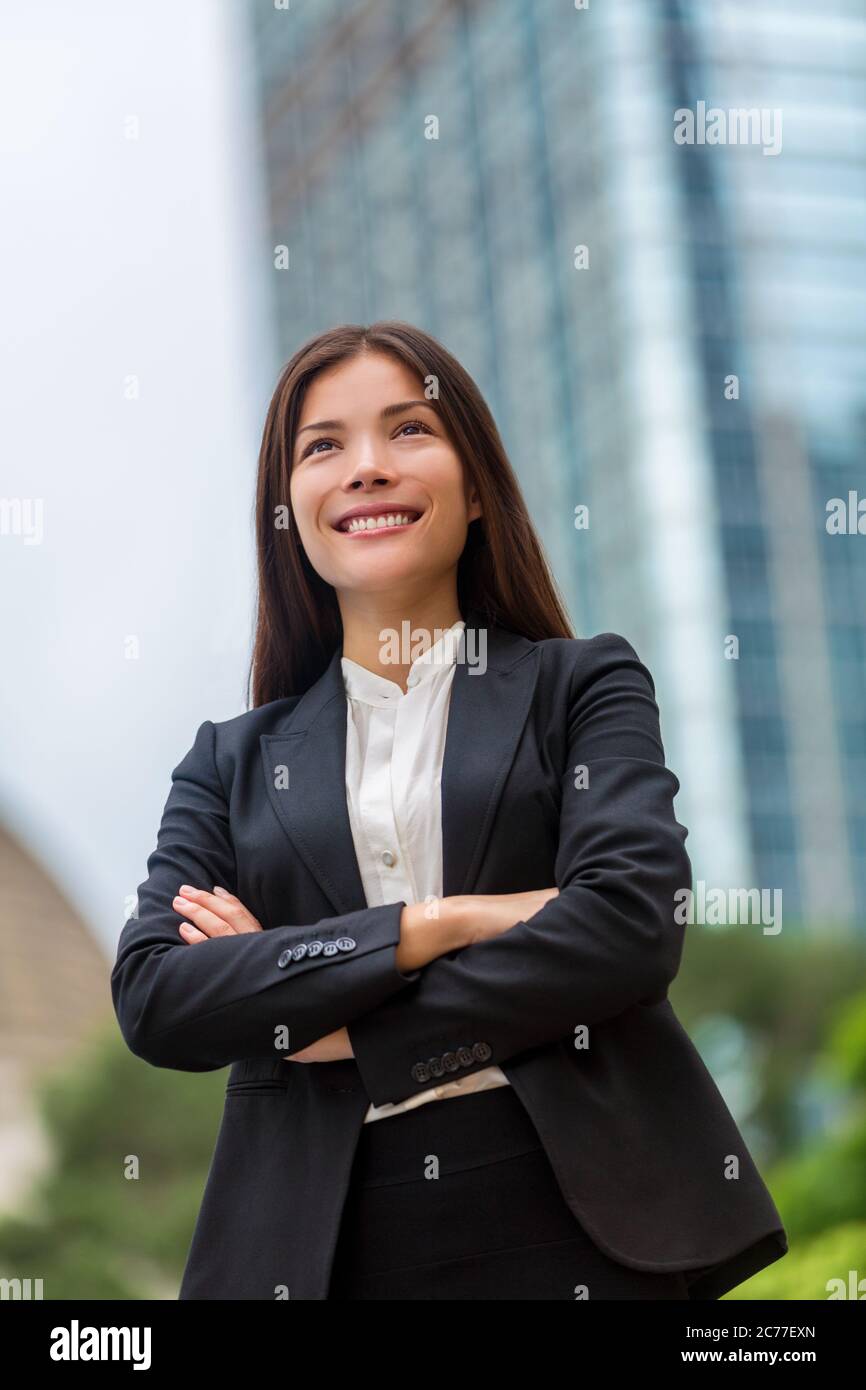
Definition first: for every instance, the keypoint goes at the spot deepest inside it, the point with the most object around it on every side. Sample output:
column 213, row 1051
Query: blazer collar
column 304, row 762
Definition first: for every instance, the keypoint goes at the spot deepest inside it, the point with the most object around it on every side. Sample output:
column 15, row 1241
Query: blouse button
column 388, row 858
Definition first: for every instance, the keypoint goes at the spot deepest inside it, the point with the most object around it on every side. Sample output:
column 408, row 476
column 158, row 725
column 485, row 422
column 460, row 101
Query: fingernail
column 221, row 893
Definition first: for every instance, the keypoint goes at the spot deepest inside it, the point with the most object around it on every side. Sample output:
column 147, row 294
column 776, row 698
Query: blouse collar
column 375, row 689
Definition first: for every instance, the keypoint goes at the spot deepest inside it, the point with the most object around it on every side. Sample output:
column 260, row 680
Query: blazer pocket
column 263, row 1087
column 257, row 1075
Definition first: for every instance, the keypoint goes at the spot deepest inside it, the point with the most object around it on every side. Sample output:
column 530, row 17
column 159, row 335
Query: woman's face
column 368, row 440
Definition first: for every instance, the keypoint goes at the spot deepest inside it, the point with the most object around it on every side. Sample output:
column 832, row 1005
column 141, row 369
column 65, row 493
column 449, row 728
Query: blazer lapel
column 489, row 708
column 304, row 763
column 305, row 780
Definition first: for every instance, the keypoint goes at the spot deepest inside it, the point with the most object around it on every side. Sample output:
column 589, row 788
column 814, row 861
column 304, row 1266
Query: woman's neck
column 386, row 638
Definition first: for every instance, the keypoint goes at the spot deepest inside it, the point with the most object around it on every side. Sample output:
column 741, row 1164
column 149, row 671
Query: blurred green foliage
column 799, row 1004
column 91, row 1230
column 780, row 1021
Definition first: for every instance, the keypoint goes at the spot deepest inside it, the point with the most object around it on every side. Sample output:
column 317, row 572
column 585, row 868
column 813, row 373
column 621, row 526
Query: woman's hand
column 484, row 915
column 336, row 1047
column 215, row 914
column 222, row 914
column 488, row 915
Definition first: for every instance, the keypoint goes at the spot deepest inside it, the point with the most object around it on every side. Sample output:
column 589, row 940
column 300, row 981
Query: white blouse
column 395, row 744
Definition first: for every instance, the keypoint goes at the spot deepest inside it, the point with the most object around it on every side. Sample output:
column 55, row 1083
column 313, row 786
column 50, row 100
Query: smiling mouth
column 383, row 524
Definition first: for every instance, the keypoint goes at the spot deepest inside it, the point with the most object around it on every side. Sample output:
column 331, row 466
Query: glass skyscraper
column 671, row 334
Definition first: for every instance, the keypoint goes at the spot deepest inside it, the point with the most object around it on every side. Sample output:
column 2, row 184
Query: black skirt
column 456, row 1199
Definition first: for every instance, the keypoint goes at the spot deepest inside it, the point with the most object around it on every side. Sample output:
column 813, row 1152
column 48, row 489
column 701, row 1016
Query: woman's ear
column 473, row 506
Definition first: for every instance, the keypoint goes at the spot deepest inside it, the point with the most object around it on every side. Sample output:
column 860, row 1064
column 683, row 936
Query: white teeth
column 370, row 523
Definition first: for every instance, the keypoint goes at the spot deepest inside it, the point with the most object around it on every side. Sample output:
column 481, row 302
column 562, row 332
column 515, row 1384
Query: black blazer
column 639, row 1137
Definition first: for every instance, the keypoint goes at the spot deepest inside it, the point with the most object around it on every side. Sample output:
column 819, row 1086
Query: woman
column 421, row 897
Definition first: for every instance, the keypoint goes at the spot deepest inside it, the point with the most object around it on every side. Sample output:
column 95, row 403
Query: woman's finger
column 191, row 934
column 240, row 916
column 223, row 906
column 202, row 917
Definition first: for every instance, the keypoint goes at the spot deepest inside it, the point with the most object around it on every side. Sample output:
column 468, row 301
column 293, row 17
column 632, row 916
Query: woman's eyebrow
column 388, row 411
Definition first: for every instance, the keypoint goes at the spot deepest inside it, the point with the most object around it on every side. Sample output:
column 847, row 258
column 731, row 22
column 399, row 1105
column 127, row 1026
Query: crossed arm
column 607, row 941
column 221, row 913
column 424, row 935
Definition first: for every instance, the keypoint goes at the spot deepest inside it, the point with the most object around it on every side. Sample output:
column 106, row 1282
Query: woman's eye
column 419, row 423
column 313, row 448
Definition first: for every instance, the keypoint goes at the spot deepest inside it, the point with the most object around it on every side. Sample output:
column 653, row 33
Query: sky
column 136, row 365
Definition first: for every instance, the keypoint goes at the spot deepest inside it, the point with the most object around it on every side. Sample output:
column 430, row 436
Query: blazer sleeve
column 200, row 1006
column 610, row 939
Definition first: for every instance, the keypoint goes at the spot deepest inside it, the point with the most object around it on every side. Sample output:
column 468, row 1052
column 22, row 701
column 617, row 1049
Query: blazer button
column 284, row 959
column 450, row 1061
column 345, row 943
column 299, row 952
column 329, row 948
column 314, row 947
column 420, row 1072
column 435, row 1067
column 465, row 1056
column 482, row 1051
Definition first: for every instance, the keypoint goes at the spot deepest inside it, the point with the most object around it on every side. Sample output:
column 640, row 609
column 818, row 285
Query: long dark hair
column 502, row 574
